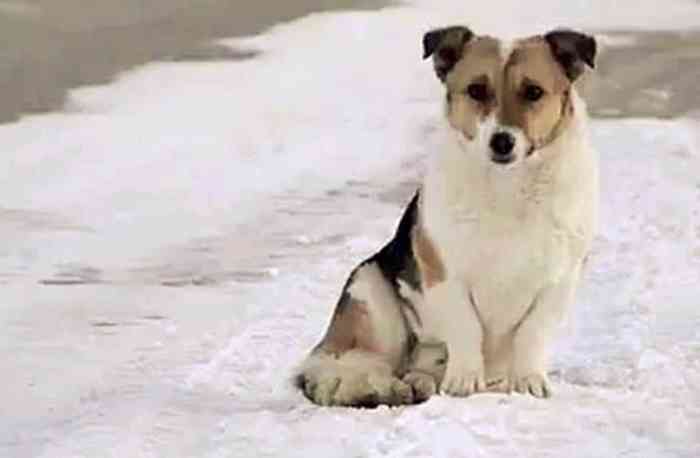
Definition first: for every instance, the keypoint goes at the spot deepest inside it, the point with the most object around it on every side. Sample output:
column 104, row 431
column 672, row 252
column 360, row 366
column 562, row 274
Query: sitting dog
column 487, row 256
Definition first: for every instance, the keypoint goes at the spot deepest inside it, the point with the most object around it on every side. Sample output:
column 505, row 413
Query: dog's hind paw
column 423, row 385
column 358, row 390
column 321, row 392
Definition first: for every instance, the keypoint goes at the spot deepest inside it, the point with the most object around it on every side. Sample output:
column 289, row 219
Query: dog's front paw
column 463, row 380
column 536, row 384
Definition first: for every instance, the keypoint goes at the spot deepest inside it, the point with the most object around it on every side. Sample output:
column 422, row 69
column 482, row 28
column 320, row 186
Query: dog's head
column 509, row 100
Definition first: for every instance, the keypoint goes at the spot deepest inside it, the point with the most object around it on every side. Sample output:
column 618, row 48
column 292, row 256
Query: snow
column 175, row 242
column 513, row 17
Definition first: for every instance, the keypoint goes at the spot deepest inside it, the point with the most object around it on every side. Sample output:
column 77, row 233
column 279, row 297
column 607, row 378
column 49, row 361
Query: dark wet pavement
column 49, row 46
column 654, row 74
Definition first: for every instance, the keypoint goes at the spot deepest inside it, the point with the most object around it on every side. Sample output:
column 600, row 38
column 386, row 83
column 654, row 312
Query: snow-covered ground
column 174, row 243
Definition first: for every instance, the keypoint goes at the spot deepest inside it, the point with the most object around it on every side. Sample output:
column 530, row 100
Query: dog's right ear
column 445, row 45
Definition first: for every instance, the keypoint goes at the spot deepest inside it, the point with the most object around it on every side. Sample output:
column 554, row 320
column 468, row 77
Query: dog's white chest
column 502, row 265
column 504, row 235
column 505, row 252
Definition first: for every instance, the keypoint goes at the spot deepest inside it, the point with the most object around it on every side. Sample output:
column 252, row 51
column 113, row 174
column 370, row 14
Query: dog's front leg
column 453, row 320
column 534, row 335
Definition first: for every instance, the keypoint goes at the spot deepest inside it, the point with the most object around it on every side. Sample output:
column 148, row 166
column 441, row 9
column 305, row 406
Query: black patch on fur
column 573, row 50
column 397, row 260
column 345, row 300
column 445, row 45
column 370, row 401
column 299, row 381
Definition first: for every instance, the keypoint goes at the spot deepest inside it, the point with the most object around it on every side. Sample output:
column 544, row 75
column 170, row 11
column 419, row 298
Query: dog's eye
column 532, row 93
column 478, row 92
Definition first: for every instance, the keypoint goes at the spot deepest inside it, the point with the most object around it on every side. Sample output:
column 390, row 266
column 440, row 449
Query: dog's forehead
column 484, row 46
column 526, row 58
column 531, row 58
column 481, row 57
column 484, row 52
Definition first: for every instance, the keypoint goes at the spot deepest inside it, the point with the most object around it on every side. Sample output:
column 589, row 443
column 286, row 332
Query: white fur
column 370, row 288
column 506, row 49
column 512, row 240
column 415, row 297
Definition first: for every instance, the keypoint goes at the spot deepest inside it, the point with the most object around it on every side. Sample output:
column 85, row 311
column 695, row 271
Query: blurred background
column 51, row 45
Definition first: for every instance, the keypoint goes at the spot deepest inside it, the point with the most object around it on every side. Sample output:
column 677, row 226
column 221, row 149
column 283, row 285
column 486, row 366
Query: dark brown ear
column 445, row 45
column 572, row 50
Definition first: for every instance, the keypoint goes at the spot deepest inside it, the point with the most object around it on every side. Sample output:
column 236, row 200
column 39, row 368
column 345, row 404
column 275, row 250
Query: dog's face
column 508, row 100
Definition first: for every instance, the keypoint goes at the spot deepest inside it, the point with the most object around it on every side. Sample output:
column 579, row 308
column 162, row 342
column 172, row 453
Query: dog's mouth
column 503, row 159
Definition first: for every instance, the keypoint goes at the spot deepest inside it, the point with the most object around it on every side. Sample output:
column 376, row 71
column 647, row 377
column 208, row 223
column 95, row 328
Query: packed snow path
column 175, row 242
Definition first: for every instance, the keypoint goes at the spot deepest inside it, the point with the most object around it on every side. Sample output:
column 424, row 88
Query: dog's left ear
column 572, row 50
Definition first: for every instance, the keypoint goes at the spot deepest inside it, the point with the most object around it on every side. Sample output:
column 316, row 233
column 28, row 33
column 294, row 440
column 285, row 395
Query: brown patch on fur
column 350, row 328
column 481, row 64
column 532, row 63
column 430, row 266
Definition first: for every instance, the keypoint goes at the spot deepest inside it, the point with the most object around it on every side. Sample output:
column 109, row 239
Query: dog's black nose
column 502, row 143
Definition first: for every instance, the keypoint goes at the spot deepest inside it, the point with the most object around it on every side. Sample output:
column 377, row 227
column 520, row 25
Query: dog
column 487, row 256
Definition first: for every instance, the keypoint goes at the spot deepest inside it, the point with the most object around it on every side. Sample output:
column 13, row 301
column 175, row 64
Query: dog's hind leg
column 365, row 346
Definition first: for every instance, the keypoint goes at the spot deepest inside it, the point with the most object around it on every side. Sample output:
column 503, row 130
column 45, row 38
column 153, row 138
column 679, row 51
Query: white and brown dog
column 467, row 295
